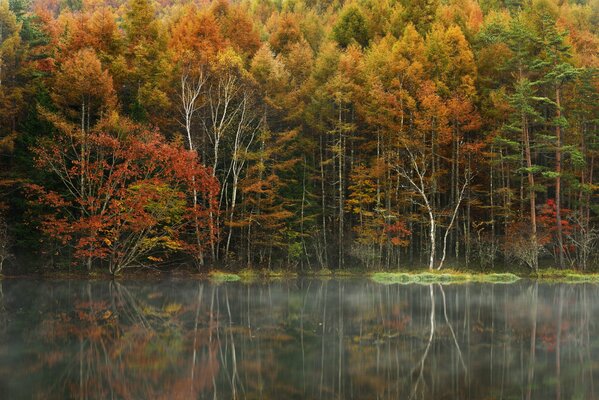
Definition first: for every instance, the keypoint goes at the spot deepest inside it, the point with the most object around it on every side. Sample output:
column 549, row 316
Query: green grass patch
column 430, row 277
column 566, row 276
column 248, row 275
column 219, row 276
column 576, row 278
column 496, row 277
column 424, row 278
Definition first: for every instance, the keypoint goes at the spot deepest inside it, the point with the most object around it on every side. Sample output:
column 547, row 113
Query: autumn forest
column 299, row 134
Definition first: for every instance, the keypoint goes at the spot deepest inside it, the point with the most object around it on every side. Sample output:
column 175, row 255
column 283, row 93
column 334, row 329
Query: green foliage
column 550, row 174
column 351, row 28
column 421, row 13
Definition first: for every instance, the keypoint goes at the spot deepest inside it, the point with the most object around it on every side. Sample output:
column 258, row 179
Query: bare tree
column 420, row 183
column 191, row 89
column 453, row 215
column 485, row 247
column 190, row 101
column 244, row 135
column 218, row 100
column 585, row 239
column 525, row 250
column 420, row 186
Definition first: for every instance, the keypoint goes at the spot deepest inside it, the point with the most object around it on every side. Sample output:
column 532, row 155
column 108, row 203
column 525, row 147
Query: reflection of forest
column 302, row 339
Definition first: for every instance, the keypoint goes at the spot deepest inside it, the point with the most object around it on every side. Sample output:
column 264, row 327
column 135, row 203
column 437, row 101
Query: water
column 297, row 339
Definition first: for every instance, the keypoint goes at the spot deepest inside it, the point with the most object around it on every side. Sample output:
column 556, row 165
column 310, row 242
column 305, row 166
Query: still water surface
column 297, row 339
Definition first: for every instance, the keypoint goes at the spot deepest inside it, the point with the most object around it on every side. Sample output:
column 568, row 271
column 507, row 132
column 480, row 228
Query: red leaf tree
column 124, row 195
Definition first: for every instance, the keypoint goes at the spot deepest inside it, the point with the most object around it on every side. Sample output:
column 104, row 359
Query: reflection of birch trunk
column 505, row 351
column 340, row 339
column 558, row 369
column 195, row 337
column 235, row 374
column 455, row 340
column 420, row 378
column 533, row 342
column 3, row 313
column 301, row 336
column 213, row 326
column 324, row 324
column 588, row 317
column 129, row 305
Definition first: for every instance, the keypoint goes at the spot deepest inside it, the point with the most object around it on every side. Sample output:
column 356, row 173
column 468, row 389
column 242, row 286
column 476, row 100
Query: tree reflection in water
column 298, row 339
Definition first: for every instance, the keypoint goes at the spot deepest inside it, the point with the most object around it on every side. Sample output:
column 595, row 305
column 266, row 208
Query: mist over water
column 297, row 339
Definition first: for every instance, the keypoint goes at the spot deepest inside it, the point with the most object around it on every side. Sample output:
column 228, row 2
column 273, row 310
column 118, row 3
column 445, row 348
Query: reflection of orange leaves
column 95, row 332
column 548, row 338
column 398, row 324
column 398, row 321
column 52, row 358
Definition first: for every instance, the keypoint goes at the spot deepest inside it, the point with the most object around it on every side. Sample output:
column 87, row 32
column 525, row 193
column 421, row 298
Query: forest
column 299, row 134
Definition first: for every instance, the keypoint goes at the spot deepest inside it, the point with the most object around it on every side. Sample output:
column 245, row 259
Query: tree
column 285, row 32
column 135, row 206
column 237, row 27
column 342, row 91
column 420, row 182
column 10, row 92
column 554, row 59
column 82, row 90
column 376, row 225
column 229, row 126
column 350, row 28
column 314, row 116
column 525, row 101
column 267, row 210
column 143, row 69
column 195, row 39
column 420, row 13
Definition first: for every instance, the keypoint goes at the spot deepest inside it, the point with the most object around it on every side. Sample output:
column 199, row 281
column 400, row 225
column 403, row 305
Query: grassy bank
column 423, row 277
column 567, row 276
column 429, row 277
column 451, row 276
column 256, row 275
column 417, row 276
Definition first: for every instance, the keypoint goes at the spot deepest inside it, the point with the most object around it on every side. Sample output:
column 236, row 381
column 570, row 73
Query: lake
column 297, row 339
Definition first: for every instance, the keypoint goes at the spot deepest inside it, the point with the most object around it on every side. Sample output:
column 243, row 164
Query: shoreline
column 447, row 276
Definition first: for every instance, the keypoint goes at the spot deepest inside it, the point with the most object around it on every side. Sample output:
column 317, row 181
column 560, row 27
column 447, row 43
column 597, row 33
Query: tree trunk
column 531, row 189
column 558, row 181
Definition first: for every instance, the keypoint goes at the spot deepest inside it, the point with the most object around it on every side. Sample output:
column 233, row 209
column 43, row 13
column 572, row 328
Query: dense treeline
column 307, row 134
